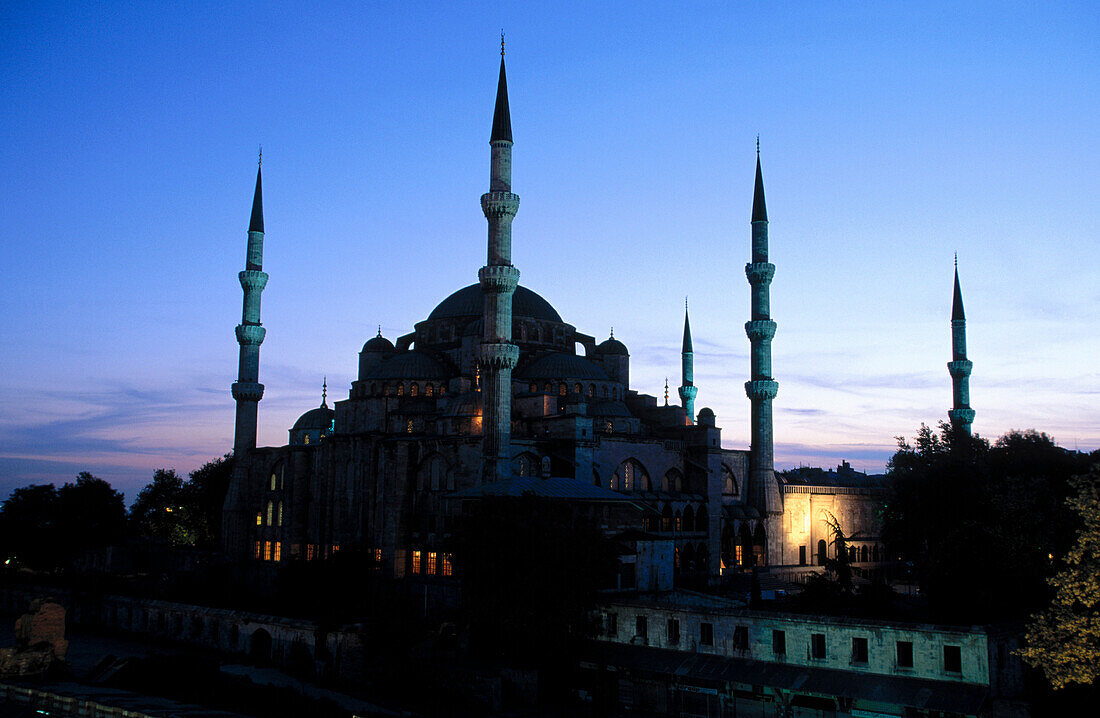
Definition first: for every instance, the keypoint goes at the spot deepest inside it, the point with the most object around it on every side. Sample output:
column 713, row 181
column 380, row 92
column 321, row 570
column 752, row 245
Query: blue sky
column 893, row 134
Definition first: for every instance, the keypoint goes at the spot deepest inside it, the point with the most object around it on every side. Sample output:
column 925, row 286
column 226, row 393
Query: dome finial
column 666, row 391
column 324, row 393
column 612, row 332
column 379, row 330
column 956, row 261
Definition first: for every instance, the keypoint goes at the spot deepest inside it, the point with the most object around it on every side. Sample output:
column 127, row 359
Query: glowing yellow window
column 272, row 485
column 270, row 512
column 335, row 547
column 259, row 518
column 448, row 568
column 280, row 514
column 267, row 550
column 257, row 552
column 431, row 563
column 310, row 551
column 416, row 562
column 377, row 554
column 278, row 551
column 738, row 554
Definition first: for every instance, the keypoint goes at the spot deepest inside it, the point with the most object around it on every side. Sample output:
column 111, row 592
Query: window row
column 411, row 388
column 816, row 650
column 272, row 515
column 273, row 551
column 590, row 391
column 429, row 563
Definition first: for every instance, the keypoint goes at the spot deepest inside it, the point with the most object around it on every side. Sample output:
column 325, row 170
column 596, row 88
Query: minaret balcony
column 250, row 334
column 688, row 393
column 760, row 330
column 253, row 280
column 499, row 355
column 960, row 368
column 498, row 279
column 499, row 204
column 761, row 389
column 248, row 391
column 760, row 272
column 964, row 415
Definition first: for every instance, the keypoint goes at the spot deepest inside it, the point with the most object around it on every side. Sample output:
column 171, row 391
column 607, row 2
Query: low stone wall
column 297, row 645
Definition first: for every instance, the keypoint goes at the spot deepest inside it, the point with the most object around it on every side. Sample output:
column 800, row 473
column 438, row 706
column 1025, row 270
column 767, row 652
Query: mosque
column 489, row 396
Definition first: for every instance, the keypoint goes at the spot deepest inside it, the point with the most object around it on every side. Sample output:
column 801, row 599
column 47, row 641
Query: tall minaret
column 498, row 280
column 962, row 416
column 250, row 335
column 687, row 371
column 761, row 388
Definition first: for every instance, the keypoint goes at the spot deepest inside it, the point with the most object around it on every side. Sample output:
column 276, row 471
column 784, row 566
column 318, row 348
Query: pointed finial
column 956, row 260
column 260, row 162
column 502, row 42
column 758, row 146
column 685, row 303
column 666, row 391
column 379, row 330
column 324, row 393
column 612, row 332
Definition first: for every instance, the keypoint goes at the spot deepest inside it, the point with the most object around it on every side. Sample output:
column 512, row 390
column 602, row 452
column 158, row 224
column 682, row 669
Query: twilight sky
column 892, row 135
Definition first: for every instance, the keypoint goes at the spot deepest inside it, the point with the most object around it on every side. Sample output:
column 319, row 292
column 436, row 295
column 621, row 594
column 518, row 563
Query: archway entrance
column 259, row 646
column 822, row 552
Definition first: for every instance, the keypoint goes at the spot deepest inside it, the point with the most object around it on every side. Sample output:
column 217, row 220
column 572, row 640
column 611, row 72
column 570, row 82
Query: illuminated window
column 577, row 388
column 607, row 427
column 272, row 486
column 739, row 554
column 257, row 552
column 305, row 438
column 414, row 389
column 409, row 426
column 280, row 515
column 259, row 518
column 267, row 550
column 562, row 389
column 431, row 563
column 806, row 521
column 448, row 565
column 400, row 389
column 429, row 390
column 311, row 551
column 442, row 390
column 278, row 555
column 378, row 555
column 591, row 391
column 335, row 548
column 416, row 562
column 679, row 526
column 270, row 512
column 386, row 389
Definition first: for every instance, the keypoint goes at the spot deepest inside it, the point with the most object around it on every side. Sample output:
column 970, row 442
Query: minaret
column 498, row 280
column 962, row 416
column 687, row 369
column 250, row 335
column 761, row 388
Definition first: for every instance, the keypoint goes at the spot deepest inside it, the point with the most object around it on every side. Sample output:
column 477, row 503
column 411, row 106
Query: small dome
column 613, row 347
column 470, row 302
column 319, row 418
column 408, row 365
column 563, row 366
column 378, row 344
column 706, row 411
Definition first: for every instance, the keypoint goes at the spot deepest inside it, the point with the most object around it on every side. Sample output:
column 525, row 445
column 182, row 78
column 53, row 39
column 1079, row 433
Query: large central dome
column 470, row 302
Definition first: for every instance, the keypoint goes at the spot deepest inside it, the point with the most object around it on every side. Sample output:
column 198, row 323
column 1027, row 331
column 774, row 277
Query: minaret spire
column 498, row 279
column 687, row 390
column 324, row 393
column 961, row 415
column 247, row 391
column 761, row 387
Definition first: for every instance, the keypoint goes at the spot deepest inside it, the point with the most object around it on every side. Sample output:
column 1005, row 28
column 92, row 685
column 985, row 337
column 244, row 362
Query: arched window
column 864, row 554
column 279, row 515
column 689, row 519
column 533, row 388
column 729, row 481
column 591, row 391
column 442, row 389
column 822, row 552
column 616, row 483
column 400, row 389
column 414, row 389
column 386, row 390
column 672, row 480
column 666, row 518
column 577, row 388
column 635, row 477
column 607, row 428
column 429, row 390
column 679, row 521
column 409, row 426
column 852, row 554
column 547, row 388
column 562, row 389
column 270, row 512
column 603, row 392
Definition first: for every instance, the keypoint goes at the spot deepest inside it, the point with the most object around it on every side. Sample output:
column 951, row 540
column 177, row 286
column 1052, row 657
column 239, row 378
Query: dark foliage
column 982, row 524
column 180, row 513
column 530, row 571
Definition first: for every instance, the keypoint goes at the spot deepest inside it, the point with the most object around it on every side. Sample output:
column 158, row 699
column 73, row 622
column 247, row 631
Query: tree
column 90, row 514
column 160, row 513
column 1064, row 639
column 28, row 527
column 530, row 571
column 204, row 495
column 979, row 522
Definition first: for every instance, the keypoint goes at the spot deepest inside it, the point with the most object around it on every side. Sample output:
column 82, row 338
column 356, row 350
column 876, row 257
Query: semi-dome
column 378, row 344
column 563, row 366
column 319, row 418
column 612, row 346
column 408, row 365
column 470, row 302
